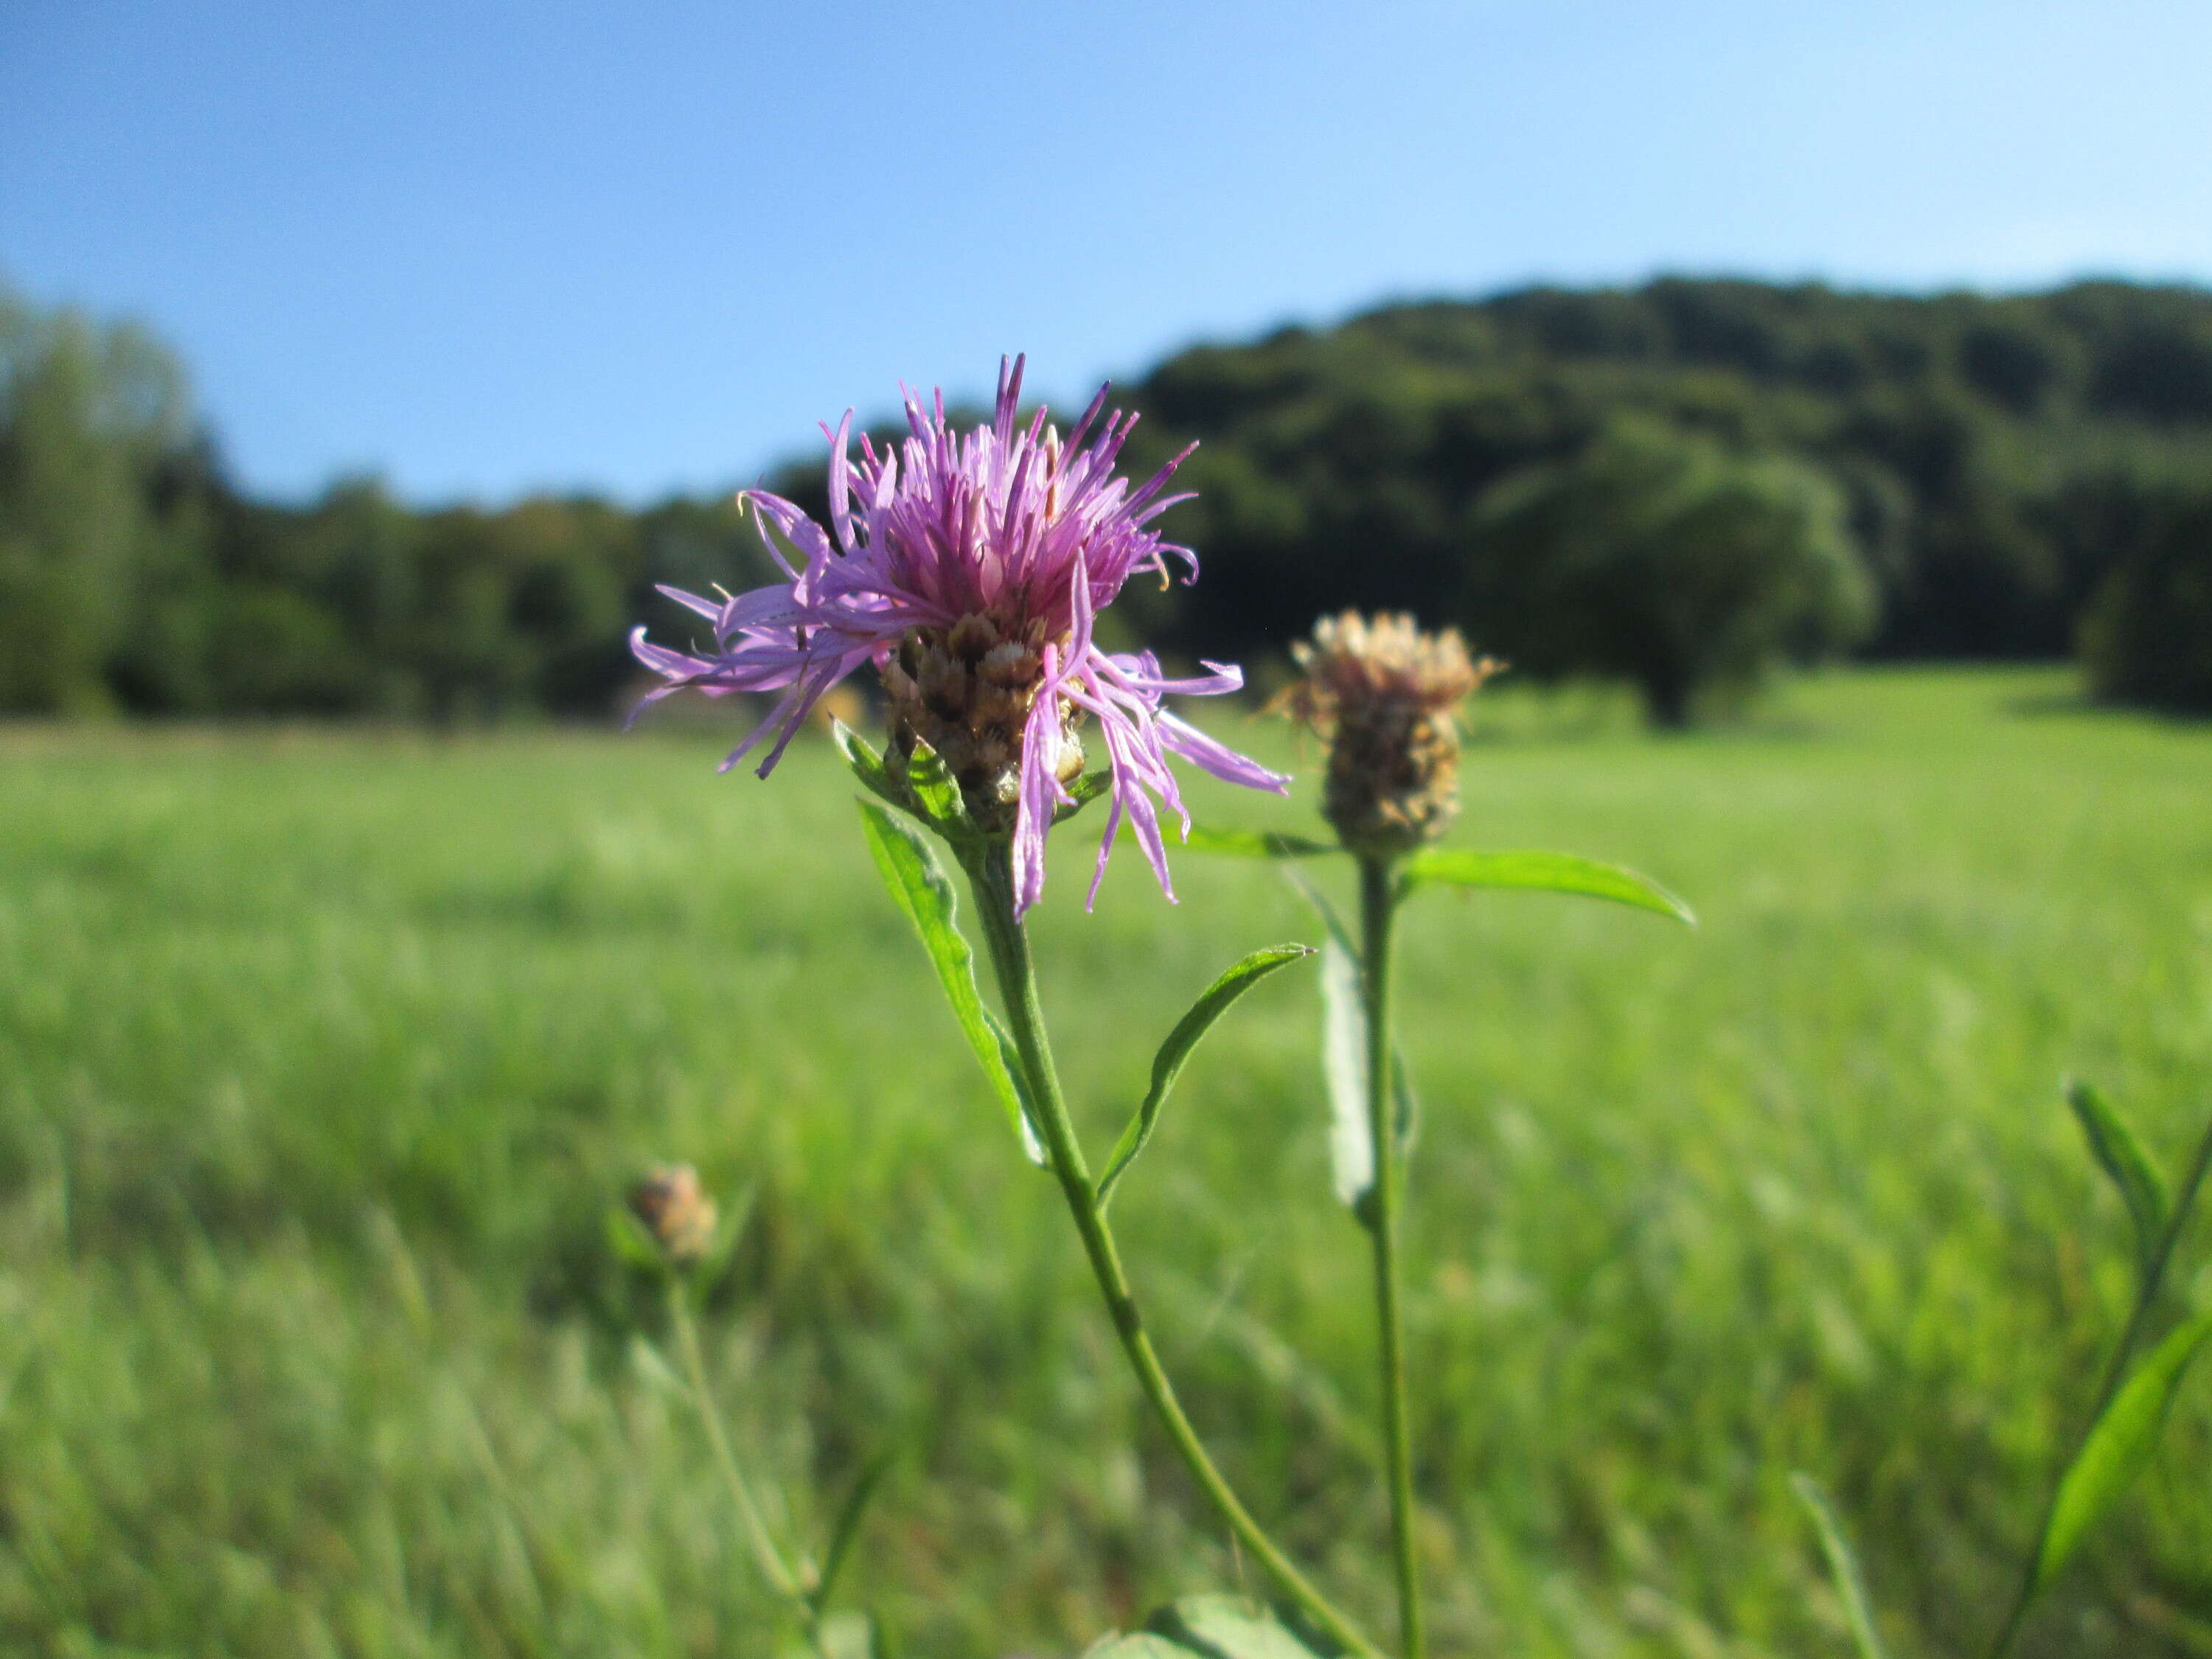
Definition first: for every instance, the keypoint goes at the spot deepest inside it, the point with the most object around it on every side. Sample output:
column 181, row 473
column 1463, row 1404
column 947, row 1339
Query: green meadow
column 323, row 1054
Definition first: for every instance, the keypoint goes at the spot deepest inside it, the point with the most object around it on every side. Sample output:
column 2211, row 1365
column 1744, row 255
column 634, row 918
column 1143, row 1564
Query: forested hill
column 1995, row 454
column 1680, row 486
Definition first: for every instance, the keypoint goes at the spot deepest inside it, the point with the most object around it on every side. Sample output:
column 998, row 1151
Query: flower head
column 969, row 569
column 676, row 1210
column 1384, row 696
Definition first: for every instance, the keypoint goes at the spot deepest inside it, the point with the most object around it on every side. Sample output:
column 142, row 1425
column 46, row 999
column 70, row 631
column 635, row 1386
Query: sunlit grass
column 286, row 1018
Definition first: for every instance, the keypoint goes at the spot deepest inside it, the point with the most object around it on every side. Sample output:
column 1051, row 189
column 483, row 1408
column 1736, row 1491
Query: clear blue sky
column 484, row 248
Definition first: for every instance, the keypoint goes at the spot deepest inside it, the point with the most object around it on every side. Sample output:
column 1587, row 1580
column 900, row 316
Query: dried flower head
column 1385, row 697
column 969, row 569
column 679, row 1214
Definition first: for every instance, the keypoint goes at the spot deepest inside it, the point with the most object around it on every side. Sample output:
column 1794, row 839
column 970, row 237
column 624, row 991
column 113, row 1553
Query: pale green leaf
column 1141, row 1644
column 924, row 893
column 1227, row 1627
column 1344, row 1071
column 1255, row 844
column 1550, row 872
column 2117, row 1448
column 1213, row 1002
column 2122, row 1156
column 1085, row 790
column 1843, row 1566
column 1345, row 1003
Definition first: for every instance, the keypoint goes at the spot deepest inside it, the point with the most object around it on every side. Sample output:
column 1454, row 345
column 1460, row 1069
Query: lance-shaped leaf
column 935, row 792
column 927, row 791
column 1843, row 1566
column 2122, row 1156
column 1213, row 1002
column 867, row 765
column 2117, row 1448
column 1011, row 1058
column 918, row 884
column 1344, row 1071
column 1255, row 844
column 1344, row 1058
column 1228, row 1627
column 1550, row 872
column 1085, row 790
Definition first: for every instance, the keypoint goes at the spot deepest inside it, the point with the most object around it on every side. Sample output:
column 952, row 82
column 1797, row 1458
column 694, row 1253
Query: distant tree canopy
column 1681, row 485
column 2147, row 637
column 1661, row 558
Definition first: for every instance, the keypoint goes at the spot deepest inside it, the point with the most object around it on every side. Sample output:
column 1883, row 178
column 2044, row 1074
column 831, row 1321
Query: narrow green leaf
column 1011, row 1058
column 1213, row 1002
column 918, row 884
column 1227, row 1627
column 1255, row 844
column 1551, row 872
column 936, row 792
column 1843, row 1566
column 867, row 765
column 847, row 1530
column 2122, row 1156
column 1406, row 1119
column 1085, row 789
column 1344, row 1071
column 2117, row 1448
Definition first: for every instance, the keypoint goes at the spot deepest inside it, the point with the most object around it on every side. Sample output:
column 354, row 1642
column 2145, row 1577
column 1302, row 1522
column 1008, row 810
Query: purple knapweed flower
column 969, row 569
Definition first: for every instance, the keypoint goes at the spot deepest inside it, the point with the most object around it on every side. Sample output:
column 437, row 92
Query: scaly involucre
column 969, row 568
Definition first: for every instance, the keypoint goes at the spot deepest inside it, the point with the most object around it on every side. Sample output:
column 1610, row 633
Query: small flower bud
column 680, row 1216
column 1385, row 696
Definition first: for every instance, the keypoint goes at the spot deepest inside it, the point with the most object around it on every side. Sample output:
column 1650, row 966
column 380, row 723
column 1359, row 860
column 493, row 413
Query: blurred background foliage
column 1682, row 487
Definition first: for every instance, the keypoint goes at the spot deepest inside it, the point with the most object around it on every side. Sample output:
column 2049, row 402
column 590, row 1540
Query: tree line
column 1682, row 486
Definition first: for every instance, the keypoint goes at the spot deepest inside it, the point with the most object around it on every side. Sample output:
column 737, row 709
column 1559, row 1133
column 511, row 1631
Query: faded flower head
column 676, row 1210
column 969, row 568
column 1385, row 697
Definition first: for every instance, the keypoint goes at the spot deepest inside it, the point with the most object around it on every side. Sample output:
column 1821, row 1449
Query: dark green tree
column 2146, row 636
column 1663, row 558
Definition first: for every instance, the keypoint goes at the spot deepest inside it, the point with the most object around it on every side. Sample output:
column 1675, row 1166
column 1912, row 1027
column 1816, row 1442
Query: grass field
column 323, row 1055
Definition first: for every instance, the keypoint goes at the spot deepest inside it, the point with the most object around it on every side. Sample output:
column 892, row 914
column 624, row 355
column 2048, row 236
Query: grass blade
column 2117, row 1448
column 2117, row 1151
column 1843, row 1566
column 924, row 893
column 847, row 1530
column 1550, row 872
column 1213, row 1002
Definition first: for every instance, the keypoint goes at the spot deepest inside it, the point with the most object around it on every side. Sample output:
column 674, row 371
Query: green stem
column 773, row 1566
column 2116, row 1370
column 990, row 875
column 1377, row 910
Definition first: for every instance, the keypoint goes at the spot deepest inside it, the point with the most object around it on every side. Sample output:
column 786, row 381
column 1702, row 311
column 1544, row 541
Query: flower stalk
column 991, row 877
column 1378, row 903
column 779, row 1572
